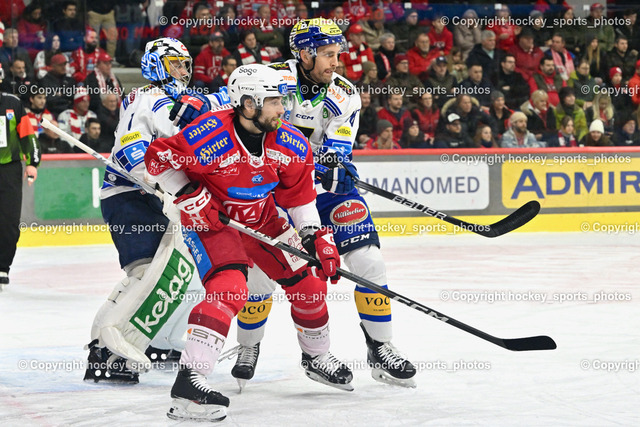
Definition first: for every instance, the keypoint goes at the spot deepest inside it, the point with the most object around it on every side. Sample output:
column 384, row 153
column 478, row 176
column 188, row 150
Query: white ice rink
column 593, row 378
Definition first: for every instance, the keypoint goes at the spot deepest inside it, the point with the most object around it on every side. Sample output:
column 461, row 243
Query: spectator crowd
column 429, row 74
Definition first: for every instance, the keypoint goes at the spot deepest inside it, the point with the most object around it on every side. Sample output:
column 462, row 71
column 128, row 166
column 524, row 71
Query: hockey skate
column 388, row 366
column 103, row 365
column 245, row 365
column 194, row 399
column 4, row 279
column 328, row 370
column 163, row 358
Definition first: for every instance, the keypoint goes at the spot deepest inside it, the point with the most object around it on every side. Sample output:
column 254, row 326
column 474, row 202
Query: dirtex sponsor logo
column 349, row 212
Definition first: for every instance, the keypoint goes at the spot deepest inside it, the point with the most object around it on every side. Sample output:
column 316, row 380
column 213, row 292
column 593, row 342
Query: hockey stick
column 516, row 219
column 515, row 344
column 84, row 147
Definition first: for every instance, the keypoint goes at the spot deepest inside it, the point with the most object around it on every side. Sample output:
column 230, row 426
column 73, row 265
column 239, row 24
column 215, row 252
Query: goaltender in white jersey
column 144, row 318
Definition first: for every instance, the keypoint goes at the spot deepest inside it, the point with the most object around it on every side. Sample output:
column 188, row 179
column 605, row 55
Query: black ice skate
column 245, row 365
column 194, row 399
column 163, row 358
column 103, row 365
column 388, row 366
column 328, row 370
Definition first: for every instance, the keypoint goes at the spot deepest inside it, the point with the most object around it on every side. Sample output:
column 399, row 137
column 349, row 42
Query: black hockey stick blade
column 514, row 220
column 541, row 342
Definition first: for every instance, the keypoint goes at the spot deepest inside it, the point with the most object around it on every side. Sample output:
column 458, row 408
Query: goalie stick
column 516, row 219
column 541, row 342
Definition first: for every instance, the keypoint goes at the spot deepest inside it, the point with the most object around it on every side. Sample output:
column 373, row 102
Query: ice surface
column 46, row 314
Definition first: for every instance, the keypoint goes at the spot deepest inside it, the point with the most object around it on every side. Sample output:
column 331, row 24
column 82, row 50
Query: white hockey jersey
column 329, row 120
column 144, row 116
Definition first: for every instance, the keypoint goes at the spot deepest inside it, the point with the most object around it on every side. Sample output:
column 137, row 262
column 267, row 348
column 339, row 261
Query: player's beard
column 269, row 125
column 323, row 77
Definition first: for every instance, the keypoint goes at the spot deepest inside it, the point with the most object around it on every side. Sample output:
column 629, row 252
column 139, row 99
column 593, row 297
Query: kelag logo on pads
column 165, row 297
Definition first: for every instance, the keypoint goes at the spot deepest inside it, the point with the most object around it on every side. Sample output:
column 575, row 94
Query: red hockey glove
column 199, row 210
column 321, row 245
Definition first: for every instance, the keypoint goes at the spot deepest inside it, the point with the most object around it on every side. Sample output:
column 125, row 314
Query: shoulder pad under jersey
column 344, row 85
column 280, row 66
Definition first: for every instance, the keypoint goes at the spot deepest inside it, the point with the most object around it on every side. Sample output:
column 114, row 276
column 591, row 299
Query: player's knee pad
column 259, row 283
column 228, row 285
column 142, row 303
column 367, row 262
column 307, row 298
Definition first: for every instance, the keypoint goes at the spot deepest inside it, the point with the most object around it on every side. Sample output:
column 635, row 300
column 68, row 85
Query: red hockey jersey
column 209, row 151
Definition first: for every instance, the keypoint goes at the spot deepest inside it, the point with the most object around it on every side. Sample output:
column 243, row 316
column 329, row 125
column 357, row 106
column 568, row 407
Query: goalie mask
column 167, row 62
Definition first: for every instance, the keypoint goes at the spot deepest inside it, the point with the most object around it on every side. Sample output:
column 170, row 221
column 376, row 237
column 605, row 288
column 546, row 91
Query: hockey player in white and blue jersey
column 144, row 318
column 326, row 110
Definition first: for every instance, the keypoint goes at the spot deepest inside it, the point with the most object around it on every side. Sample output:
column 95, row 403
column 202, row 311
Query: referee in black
column 18, row 142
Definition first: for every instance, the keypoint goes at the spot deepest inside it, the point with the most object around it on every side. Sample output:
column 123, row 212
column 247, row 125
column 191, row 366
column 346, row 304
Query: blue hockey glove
column 337, row 173
column 189, row 106
column 339, row 180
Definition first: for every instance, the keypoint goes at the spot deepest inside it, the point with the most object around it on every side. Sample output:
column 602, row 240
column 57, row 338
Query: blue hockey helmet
column 310, row 34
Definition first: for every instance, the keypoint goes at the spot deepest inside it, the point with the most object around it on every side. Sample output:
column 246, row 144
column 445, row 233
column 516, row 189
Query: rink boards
column 579, row 190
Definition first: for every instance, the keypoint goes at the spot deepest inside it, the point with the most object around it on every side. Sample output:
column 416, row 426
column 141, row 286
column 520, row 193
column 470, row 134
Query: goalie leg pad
column 374, row 309
column 144, row 301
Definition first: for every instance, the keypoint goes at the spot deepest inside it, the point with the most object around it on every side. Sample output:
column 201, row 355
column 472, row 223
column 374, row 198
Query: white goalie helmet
column 256, row 81
column 161, row 63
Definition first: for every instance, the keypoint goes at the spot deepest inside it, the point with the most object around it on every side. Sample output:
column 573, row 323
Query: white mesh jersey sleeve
column 144, row 116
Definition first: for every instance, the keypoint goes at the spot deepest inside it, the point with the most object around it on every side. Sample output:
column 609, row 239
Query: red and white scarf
column 248, row 58
column 76, row 121
column 102, row 83
column 354, row 53
column 562, row 141
column 563, row 68
column 36, row 120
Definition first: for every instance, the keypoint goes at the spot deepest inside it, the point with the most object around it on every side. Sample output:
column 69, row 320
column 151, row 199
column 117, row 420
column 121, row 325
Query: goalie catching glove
column 338, row 173
column 320, row 244
column 199, row 209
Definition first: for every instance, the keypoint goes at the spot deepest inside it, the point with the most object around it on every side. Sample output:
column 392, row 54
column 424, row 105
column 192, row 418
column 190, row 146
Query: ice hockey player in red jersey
column 231, row 160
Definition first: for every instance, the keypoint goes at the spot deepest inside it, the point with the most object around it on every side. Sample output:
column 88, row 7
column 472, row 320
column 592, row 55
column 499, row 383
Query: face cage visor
column 178, row 67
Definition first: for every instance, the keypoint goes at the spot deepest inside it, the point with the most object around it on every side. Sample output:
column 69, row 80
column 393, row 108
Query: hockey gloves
column 339, row 175
column 199, row 210
column 321, row 245
column 188, row 107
